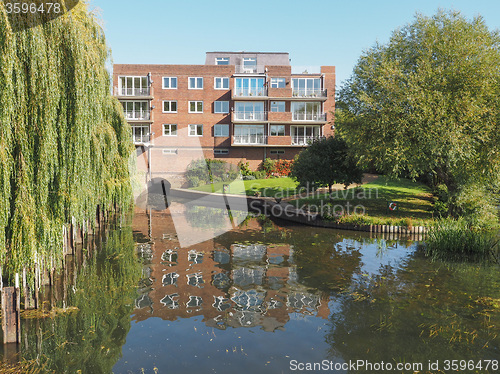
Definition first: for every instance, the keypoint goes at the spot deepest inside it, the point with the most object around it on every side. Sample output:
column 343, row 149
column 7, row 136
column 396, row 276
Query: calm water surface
column 263, row 298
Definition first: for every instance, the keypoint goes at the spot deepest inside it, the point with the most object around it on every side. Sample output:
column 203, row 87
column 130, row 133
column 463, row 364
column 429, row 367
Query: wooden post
column 11, row 318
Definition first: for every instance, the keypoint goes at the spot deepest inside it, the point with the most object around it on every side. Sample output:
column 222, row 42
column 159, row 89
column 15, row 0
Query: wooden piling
column 11, row 317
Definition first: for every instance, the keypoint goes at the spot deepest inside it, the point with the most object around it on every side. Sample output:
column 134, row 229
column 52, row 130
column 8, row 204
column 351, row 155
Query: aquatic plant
column 459, row 240
column 64, row 143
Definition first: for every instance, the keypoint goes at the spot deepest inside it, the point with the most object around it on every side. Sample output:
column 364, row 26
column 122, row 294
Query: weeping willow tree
column 64, row 143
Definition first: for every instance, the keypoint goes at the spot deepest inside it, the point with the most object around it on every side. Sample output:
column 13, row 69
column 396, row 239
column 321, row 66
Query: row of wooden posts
column 73, row 236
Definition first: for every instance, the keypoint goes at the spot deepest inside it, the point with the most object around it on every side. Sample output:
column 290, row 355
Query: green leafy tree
column 64, row 143
column 324, row 163
column 428, row 102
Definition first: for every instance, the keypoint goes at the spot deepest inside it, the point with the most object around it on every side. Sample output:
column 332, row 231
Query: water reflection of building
column 242, row 284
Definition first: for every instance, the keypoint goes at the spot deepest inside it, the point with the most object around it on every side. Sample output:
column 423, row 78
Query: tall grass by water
column 456, row 240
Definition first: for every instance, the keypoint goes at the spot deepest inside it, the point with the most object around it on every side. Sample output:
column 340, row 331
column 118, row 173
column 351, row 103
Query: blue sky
column 326, row 32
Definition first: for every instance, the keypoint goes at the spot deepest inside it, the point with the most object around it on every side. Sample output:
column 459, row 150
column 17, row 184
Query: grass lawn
column 267, row 187
column 414, row 201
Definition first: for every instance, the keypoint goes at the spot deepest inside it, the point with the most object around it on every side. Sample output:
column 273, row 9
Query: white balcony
column 305, row 140
column 308, row 92
column 319, row 117
column 250, row 69
column 137, row 115
column 250, row 139
column 250, row 92
column 250, row 116
column 140, row 139
column 135, row 92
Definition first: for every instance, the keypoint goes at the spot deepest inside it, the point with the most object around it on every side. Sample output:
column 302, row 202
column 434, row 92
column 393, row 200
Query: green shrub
column 244, row 168
column 441, row 200
column 207, row 171
column 259, row 174
column 477, row 205
column 268, row 166
column 458, row 240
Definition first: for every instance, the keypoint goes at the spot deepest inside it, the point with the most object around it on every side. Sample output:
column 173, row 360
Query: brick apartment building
column 237, row 106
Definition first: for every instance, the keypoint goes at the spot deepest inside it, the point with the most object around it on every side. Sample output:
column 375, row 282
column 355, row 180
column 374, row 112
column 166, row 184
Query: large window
column 170, row 106
column 170, row 83
column 278, row 83
column 222, row 61
column 249, row 134
column 221, row 106
column 169, row 130
column 136, row 110
column 303, row 135
column 307, row 111
column 221, row 130
column 306, row 87
column 277, row 130
column 133, row 86
column 249, row 64
column 277, row 106
column 250, row 87
column 140, row 134
column 221, row 83
column 195, row 83
column 196, row 107
column 249, row 110
column 195, row 130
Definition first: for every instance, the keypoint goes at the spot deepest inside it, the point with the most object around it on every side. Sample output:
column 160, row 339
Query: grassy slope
column 267, row 187
column 415, row 199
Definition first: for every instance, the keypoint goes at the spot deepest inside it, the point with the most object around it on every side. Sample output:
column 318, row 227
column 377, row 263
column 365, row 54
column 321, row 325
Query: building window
column 278, row 82
column 195, row 83
column 136, row 110
column 221, row 130
column 307, row 111
column 169, row 130
column 195, row 279
column 221, row 83
column 221, row 106
column 196, row 107
column 133, row 86
column 277, row 106
column 250, row 87
column 277, row 130
column 249, row 62
column 277, row 151
column 170, row 256
column 307, row 87
column 195, row 130
column 222, row 61
column 170, row 106
column 250, row 110
column 221, row 151
column 170, row 279
column 169, row 151
column 170, row 301
column 140, row 134
column 169, row 83
column 194, row 301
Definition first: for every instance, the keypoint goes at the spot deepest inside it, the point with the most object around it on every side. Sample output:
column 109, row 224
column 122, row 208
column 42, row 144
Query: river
column 267, row 297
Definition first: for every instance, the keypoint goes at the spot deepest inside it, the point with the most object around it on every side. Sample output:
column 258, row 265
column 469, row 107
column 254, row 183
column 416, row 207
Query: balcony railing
column 305, row 140
column 122, row 91
column 250, row 116
column 249, row 139
column 254, row 69
column 141, row 139
column 250, row 92
column 137, row 114
column 308, row 92
column 309, row 116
